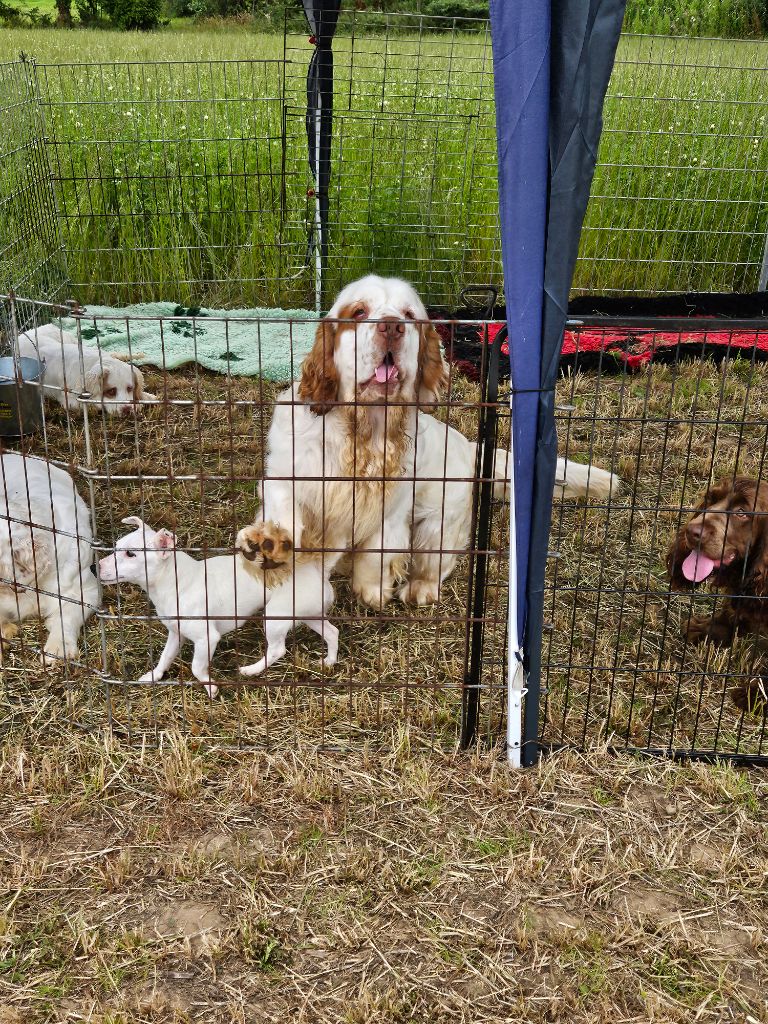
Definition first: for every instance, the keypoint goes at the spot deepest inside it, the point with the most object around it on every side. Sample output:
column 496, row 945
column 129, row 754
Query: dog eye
column 110, row 393
column 129, row 389
column 409, row 315
column 360, row 313
column 130, row 554
column 741, row 513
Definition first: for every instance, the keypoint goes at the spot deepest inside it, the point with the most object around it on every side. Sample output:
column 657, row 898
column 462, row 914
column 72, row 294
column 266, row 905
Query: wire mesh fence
column 193, row 177
column 631, row 656
column 679, row 202
column 188, row 453
column 187, row 184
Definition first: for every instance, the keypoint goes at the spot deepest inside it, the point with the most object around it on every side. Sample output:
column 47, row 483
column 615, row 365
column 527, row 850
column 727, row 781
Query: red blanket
column 616, row 348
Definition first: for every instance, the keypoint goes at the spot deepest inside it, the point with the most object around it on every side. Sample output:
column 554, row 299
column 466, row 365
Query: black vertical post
column 483, row 501
column 323, row 16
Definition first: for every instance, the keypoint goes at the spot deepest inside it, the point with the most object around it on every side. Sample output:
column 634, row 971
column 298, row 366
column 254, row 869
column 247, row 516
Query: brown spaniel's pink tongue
column 697, row 567
column 387, row 371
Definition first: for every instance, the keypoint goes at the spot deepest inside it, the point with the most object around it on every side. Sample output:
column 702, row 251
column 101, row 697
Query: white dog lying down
column 45, row 553
column 117, row 384
column 204, row 600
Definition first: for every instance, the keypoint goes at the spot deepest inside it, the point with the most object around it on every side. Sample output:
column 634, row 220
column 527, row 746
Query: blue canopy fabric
column 552, row 63
column 520, row 35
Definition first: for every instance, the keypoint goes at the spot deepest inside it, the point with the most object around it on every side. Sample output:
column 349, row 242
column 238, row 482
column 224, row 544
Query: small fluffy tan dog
column 116, row 384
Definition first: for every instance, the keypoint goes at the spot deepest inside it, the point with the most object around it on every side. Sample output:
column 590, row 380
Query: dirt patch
column 650, row 905
column 196, row 923
column 440, row 888
column 551, row 921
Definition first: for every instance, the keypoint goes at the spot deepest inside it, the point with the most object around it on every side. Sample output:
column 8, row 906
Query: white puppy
column 45, row 553
column 204, row 600
column 116, row 384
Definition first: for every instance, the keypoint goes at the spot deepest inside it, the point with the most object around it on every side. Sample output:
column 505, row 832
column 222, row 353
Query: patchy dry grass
column 193, row 884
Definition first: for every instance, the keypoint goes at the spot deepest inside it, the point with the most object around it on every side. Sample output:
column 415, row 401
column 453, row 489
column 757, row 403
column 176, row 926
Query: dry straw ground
column 190, row 884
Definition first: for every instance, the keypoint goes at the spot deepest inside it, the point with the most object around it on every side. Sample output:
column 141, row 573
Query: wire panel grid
column 413, row 188
column 191, row 463
column 679, row 200
column 30, row 246
column 617, row 667
column 169, row 179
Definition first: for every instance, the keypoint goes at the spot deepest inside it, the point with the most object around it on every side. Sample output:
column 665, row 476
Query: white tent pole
column 515, row 674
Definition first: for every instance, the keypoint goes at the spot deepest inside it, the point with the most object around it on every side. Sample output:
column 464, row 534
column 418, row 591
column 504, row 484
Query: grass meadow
column 174, row 182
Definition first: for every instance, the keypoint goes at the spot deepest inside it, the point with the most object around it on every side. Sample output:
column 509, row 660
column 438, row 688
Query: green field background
column 170, row 183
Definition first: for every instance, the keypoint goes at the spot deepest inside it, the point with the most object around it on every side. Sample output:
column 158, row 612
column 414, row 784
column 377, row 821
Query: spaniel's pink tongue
column 697, row 567
column 387, row 371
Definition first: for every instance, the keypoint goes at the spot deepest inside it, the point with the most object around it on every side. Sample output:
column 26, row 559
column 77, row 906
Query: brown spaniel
column 726, row 542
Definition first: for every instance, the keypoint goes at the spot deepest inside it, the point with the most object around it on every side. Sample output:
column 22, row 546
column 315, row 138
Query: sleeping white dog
column 204, row 600
column 45, row 553
column 116, row 384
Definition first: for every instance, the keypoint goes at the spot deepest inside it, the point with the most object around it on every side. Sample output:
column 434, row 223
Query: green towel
column 273, row 350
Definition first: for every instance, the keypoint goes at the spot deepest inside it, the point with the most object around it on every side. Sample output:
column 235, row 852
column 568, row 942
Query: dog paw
column 148, row 677
column 255, row 669
column 420, row 592
column 696, row 630
column 56, row 653
column 9, row 631
column 266, row 549
column 211, row 689
column 372, row 595
column 752, row 697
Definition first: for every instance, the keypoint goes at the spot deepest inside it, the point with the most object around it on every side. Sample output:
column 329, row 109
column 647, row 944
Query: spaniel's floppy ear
column 677, row 554
column 95, row 381
column 319, row 384
column 138, row 387
column 758, row 554
column 32, row 555
column 433, row 369
column 679, row 549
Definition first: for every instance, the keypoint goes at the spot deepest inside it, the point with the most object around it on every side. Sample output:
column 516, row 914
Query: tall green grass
column 172, row 180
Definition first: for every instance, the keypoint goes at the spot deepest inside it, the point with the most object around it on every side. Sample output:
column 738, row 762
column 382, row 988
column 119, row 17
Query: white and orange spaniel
column 355, row 464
